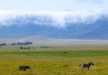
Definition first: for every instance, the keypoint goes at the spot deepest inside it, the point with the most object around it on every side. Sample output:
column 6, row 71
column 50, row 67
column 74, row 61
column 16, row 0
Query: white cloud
column 76, row 9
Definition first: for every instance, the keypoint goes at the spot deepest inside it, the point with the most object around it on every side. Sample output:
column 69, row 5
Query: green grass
column 57, row 53
column 47, row 62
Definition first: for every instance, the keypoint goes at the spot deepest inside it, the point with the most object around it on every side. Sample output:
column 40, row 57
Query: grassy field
column 53, row 62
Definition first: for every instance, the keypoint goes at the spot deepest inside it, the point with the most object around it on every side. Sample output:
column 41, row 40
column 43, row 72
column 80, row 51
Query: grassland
column 53, row 62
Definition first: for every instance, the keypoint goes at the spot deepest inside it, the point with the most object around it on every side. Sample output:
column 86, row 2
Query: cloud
column 90, row 6
column 92, row 1
column 58, row 17
column 60, row 9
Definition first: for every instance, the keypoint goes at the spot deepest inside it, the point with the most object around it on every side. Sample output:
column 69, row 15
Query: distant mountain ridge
column 47, row 26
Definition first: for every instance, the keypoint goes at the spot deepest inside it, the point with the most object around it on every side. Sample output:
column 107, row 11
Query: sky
column 54, row 5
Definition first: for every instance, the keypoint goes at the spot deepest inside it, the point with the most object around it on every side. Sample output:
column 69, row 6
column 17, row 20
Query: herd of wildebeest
column 21, row 45
column 16, row 43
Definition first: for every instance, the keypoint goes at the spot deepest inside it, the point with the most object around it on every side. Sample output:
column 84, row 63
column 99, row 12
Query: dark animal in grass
column 3, row 44
column 24, row 68
column 25, row 48
column 86, row 65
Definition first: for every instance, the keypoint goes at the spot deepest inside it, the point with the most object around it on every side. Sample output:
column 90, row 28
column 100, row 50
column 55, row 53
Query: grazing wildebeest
column 87, row 65
column 24, row 43
column 25, row 47
column 24, row 68
column 3, row 44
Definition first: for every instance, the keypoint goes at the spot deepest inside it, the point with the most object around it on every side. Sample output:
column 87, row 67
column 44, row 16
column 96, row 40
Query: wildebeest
column 24, row 68
column 24, row 43
column 86, row 65
column 3, row 44
column 25, row 47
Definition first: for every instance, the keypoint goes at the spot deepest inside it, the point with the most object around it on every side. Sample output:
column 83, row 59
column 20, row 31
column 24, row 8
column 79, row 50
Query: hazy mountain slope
column 47, row 26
